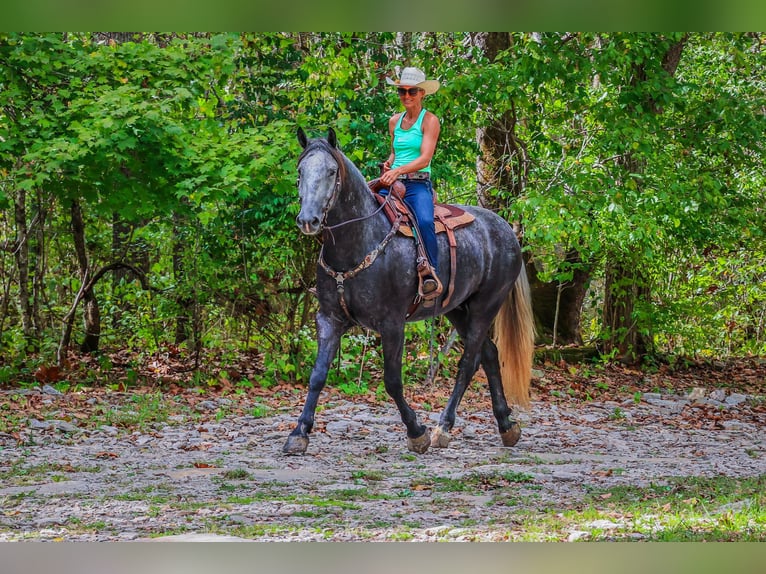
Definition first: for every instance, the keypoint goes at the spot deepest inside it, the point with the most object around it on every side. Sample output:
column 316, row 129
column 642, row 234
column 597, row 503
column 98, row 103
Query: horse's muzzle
column 309, row 226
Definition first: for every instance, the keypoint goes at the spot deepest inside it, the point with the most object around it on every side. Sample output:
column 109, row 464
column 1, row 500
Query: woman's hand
column 389, row 176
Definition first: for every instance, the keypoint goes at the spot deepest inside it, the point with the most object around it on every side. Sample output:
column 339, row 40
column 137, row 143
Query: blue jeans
column 420, row 199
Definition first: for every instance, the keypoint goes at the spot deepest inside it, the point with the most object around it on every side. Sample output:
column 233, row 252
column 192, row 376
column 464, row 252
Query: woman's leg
column 419, row 199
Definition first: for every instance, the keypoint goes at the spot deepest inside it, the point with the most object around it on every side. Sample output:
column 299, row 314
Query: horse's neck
column 357, row 222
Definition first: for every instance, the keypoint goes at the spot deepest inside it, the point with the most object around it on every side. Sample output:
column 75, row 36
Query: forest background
column 147, row 191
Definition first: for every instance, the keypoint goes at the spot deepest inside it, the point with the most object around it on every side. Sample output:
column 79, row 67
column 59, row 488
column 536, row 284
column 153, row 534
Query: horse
column 366, row 275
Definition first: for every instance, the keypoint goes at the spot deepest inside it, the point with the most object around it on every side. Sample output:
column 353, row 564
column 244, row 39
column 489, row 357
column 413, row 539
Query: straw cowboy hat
column 414, row 77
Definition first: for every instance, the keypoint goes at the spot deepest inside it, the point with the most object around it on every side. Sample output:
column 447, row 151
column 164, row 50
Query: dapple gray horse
column 367, row 276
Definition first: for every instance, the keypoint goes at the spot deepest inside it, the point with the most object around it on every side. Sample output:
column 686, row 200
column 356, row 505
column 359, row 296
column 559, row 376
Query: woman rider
column 414, row 134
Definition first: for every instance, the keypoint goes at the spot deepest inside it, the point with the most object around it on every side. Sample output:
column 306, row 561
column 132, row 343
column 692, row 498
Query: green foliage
column 185, row 145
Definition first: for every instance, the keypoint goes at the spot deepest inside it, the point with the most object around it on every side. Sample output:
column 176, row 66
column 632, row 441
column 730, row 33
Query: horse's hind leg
column 329, row 333
column 510, row 430
column 467, row 366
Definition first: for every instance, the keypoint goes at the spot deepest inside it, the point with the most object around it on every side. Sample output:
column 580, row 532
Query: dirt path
column 224, row 475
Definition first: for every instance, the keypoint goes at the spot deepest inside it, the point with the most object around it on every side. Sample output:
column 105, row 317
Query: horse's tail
column 515, row 340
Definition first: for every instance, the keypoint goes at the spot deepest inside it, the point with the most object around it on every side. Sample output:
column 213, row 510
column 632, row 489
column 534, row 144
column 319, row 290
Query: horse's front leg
column 329, row 332
column 418, row 439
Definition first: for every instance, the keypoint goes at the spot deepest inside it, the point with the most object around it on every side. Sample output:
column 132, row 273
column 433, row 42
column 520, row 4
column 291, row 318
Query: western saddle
column 447, row 218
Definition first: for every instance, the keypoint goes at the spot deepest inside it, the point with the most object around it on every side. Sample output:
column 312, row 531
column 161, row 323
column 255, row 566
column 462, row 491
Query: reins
column 355, row 220
column 341, row 276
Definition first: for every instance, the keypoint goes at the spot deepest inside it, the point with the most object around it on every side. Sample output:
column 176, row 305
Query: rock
column 602, row 524
column 673, row 406
column 576, row 535
column 737, row 506
column 567, row 476
column 734, row 425
column 197, row 537
column 49, row 390
column 718, row 395
column 337, row 427
column 64, row 426
column 696, row 394
column 735, row 399
column 39, row 425
column 207, row 406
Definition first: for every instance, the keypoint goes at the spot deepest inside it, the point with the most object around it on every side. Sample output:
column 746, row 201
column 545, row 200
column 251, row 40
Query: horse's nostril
column 309, row 226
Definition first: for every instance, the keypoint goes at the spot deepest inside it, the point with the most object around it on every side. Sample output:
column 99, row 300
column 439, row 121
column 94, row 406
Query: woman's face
column 410, row 95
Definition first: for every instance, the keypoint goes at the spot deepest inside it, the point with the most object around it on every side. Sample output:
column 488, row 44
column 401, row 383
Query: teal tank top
column 407, row 143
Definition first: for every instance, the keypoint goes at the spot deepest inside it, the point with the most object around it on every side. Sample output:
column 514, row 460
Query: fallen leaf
column 105, row 454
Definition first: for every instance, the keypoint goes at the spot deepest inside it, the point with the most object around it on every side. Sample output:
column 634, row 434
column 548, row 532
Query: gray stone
column 39, row 425
column 197, row 537
column 567, row 476
column 735, row 399
column 673, row 406
column 603, row 524
column 718, row 395
column 576, row 535
column 64, row 426
column 207, row 406
column 49, row 390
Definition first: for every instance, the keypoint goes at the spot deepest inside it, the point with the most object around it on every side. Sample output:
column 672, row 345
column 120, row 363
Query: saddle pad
column 445, row 217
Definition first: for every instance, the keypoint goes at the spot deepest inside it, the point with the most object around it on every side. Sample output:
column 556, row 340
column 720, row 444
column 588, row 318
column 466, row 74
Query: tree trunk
column 91, row 313
column 502, row 169
column 38, row 265
column 626, row 332
column 625, row 290
column 134, row 253
column 22, row 265
column 557, row 306
column 184, row 318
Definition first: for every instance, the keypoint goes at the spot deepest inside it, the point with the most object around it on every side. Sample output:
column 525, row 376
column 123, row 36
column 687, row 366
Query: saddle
column 447, row 218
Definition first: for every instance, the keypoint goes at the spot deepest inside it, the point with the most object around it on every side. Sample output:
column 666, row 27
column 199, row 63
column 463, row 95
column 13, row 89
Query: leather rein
column 341, row 276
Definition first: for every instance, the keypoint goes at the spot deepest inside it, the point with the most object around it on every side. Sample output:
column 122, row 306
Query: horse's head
column 320, row 175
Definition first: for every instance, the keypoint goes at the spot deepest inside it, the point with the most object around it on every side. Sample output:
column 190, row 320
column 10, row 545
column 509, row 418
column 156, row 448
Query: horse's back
column 487, row 260
column 491, row 240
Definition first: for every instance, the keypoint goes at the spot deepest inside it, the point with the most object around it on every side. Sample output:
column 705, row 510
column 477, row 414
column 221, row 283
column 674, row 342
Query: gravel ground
column 219, row 479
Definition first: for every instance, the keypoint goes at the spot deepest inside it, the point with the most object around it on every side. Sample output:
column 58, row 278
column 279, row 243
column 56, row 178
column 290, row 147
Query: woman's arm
column 431, row 130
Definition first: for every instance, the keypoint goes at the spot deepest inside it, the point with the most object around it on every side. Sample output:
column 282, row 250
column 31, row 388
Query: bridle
column 341, row 276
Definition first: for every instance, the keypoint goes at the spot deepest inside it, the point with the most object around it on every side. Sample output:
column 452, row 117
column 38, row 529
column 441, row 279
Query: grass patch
column 140, row 410
column 682, row 509
column 20, row 475
column 237, row 474
column 479, row 482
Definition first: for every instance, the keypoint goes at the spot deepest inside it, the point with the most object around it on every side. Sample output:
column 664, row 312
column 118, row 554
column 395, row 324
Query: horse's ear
column 302, row 139
column 332, row 139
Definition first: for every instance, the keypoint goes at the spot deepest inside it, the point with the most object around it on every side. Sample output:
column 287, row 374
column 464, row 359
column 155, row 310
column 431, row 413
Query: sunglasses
column 411, row 91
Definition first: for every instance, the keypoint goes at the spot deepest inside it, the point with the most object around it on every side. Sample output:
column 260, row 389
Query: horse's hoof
column 439, row 438
column 296, row 445
column 512, row 435
column 420, row 444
